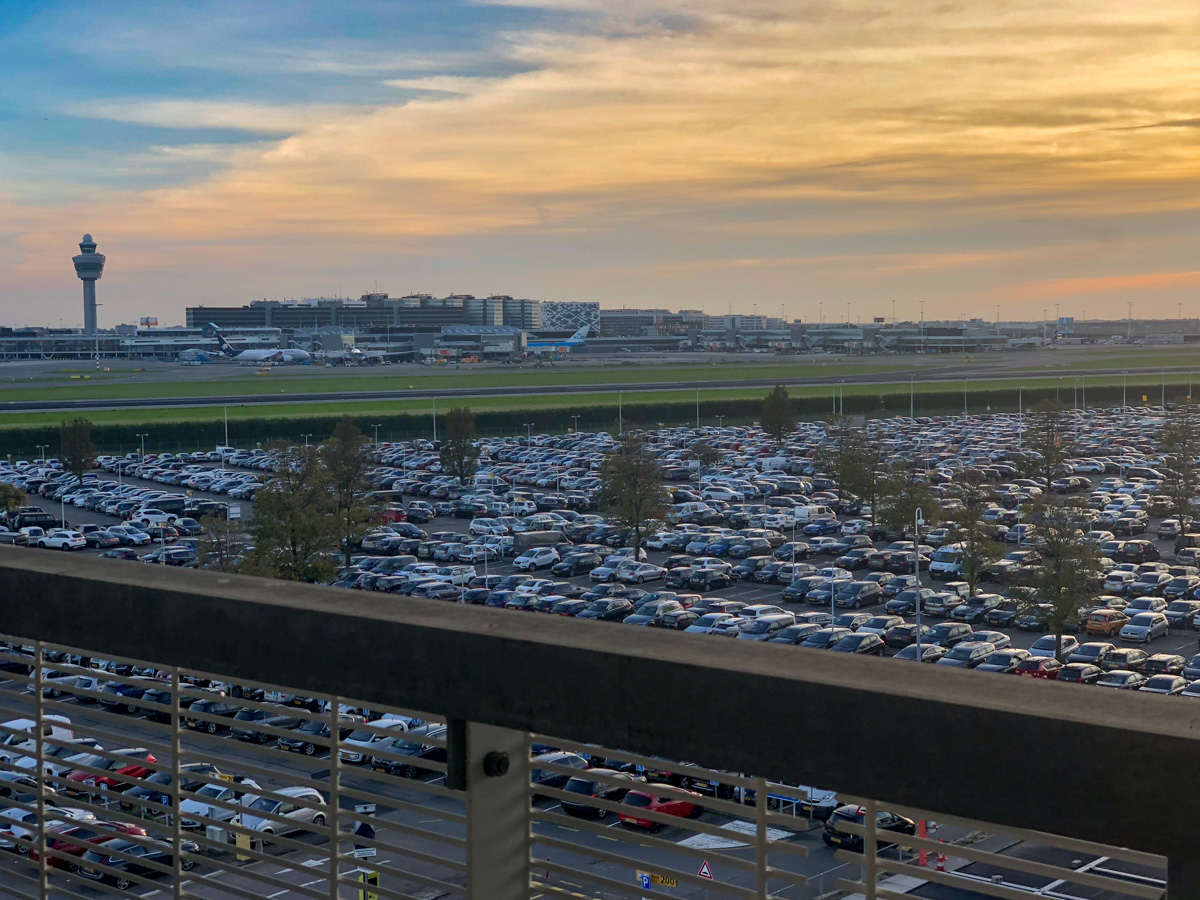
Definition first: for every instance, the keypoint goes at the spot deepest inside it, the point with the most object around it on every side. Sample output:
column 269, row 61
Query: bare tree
column 346, row 461
column 1179, row 439
column 75, row 446
column 631, row 489
column 295, row 527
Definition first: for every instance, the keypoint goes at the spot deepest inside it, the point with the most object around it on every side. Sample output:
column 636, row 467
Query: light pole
column 435, row 420
column 912, row 407
column 576, row 418
column 697, row 409
column 1124, row 386
column 306, row 437
column 918, row 521
column 142, row 437
column 1020, row 414
column 376, row 427
column 720, row 421
column 43, row 448
column 1164, row 389
column 528, row 432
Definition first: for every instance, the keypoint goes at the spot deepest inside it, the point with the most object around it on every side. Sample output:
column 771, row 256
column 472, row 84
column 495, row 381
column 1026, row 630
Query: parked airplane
column 578, row 339
column 258, row 357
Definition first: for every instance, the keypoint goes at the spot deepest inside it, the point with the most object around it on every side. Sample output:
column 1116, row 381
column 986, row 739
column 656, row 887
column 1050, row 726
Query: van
column 946, row 561
column 16, row 735
column 171, row 505
column 806, row 514
column 527, row 539
column 38, row 519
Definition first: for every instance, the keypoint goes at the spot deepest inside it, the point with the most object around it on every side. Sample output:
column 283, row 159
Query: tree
column 854, row 458
column 778, row 415
column 631, row 488
column 459, row 454
column 706, row 455
column 901, row 494
column 295, row 527
column 1179, row 440
column 222, row 544
column 11, row 498
column 1047, row 442
column 75, row 446
column 1066, row 581
column 975, row 534
column 346, row 461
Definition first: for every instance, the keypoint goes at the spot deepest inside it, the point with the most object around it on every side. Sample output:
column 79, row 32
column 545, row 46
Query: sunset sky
column 712, row 154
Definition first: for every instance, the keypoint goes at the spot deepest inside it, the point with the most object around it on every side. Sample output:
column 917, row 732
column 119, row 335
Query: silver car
column 1145, row 627
column 299, row 806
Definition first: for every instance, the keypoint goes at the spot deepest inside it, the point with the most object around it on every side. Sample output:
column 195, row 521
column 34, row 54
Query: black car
column 146, row 852
column 747, row 568
column 1080, row 673
column 1036, row 619
column 590, row 786
column 1003, row 615
column 311, row 736
column 795, row 634
column 570, row 607
column 156, row 788
column 1130, row 659
column 891, row 823
column 903, row 635
column 948, row 634
column 404, row 755
column 1163, row 664
column 708, row 580
column 825, row 638
column 247, row 723
column 1004, row 661
column 607, row 609
column 866, row 644
column 215, row 708
column 575, row 564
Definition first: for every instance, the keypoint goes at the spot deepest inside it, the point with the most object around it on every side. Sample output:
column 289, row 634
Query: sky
column 816, row 159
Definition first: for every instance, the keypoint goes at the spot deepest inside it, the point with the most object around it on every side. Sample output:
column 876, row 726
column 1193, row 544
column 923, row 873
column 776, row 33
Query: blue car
column 823, row 526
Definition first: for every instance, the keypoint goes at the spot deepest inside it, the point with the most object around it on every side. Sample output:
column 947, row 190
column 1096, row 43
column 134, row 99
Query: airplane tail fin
column 224, row 344
column 581, row 334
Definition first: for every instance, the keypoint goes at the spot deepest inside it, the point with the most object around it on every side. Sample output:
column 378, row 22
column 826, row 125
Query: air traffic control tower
column 89, row 266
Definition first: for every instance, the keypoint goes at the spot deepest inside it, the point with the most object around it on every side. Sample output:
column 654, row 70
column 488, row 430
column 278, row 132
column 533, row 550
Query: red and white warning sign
column 705, row 871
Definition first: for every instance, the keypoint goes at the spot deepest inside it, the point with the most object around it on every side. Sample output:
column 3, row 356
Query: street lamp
column 720, row 421
column 376, row 427
column 918, row 521
column 43, row 448
column 528, row 432
column 306, row 437
column 576, row 418
column 142, row 437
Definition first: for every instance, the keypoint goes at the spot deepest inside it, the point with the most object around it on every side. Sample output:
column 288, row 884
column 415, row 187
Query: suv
column 587, row 785
column 948, row 634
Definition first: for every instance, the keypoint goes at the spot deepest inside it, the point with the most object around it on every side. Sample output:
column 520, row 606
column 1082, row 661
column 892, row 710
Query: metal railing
column 375, row 796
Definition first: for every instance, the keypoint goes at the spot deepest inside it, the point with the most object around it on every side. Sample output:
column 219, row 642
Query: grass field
column 239, row 381
column 1149, row 385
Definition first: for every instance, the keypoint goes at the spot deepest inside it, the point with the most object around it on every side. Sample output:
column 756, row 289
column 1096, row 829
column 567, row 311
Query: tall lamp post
column 576, row 420
column 376, row 427
column 528, row 432
column 918, row 521
column 142, row 437
column 306, row 437
column 43, row 448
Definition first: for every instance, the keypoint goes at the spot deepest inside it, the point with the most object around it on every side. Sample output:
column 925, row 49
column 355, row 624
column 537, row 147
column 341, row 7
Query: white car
column 477, row 553
column 639, row 573
column 1118, row 580
column 531, row 587
column 457, row 575
column 357, row 746
column 148, row 517
column 203, row 802
column 855, row 526
column 607, row 570
column 711, row 564
column 536, row 558
column 18, row 822
column 707, row 622
column 298, row 805
column 722, row 493
column 1044, row 646
column 62, row 540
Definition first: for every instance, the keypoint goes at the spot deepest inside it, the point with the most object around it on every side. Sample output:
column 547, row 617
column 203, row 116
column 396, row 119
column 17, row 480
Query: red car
column 1039, row 667
column 391, row 513
column 79, row 781
column 76, row 838
column 668, row 806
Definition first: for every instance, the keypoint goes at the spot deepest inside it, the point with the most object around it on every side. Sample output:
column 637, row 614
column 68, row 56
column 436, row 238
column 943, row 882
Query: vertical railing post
column 761, row 801
column 176, row 792
column 492, row 764
column 870, row 848
column 334, row 823
column 39, row 755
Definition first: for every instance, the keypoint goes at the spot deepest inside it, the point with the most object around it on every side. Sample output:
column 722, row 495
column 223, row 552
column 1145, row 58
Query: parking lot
column 452, row 542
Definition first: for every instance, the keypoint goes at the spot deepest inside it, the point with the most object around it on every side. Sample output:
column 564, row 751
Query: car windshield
column 960, row 653
column 1089, row 650
column 264, row 804
column 1044, row 643
column 1144, row 620
column 210, row 790
column 757, row 626
column 636, row 799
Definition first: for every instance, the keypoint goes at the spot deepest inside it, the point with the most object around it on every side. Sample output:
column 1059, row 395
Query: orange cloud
column 1063, row 288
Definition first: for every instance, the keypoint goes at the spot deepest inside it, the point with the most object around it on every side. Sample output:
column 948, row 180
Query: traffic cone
column 941, row 859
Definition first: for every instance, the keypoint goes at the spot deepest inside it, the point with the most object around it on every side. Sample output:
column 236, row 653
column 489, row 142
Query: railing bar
column 335, row 770
column 623, row 886
column 619, row 808
column 639, row 838
column 39, row 768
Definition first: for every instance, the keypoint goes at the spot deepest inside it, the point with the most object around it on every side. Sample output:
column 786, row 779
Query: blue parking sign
column 643, row 880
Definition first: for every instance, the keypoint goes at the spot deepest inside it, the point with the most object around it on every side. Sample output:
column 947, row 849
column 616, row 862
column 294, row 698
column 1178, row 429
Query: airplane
column 257, row 357
column 578, row 339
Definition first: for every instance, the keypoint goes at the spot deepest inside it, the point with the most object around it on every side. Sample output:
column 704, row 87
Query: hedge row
column 175, row 436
